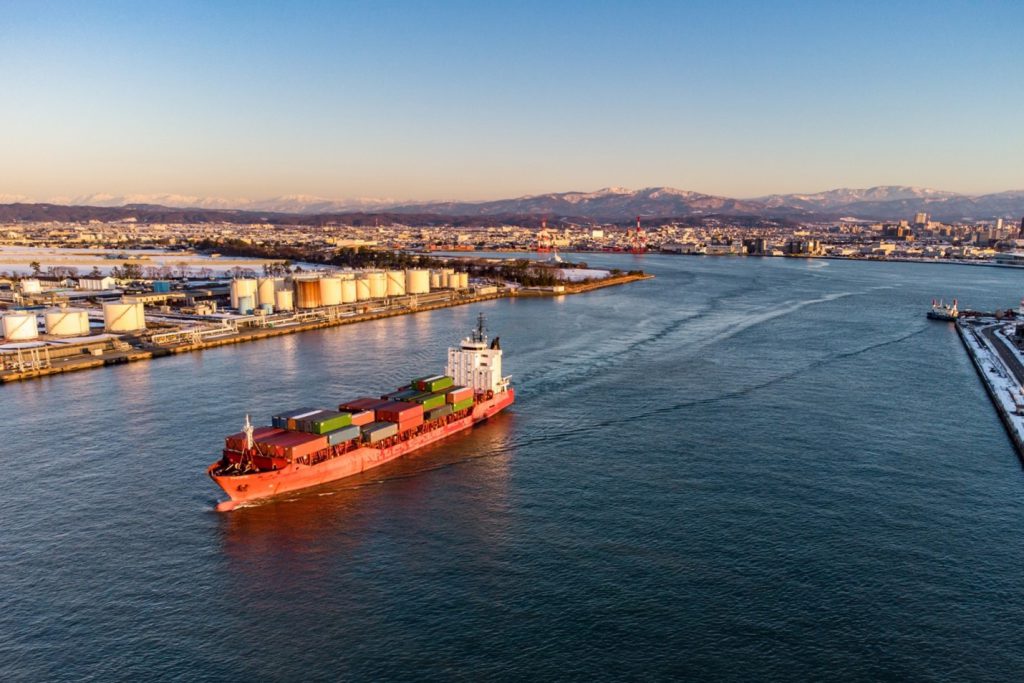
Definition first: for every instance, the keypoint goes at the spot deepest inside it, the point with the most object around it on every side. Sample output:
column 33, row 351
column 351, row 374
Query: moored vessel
column 312, row 446
column 943, row 311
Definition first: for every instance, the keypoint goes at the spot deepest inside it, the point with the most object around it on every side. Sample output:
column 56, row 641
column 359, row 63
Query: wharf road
column 1009, row 357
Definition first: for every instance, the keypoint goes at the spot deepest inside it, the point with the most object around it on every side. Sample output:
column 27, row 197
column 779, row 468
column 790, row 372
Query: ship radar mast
column 480, row 333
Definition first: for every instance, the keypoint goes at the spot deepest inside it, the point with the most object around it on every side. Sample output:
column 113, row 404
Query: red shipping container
column 460, row 394
column 294, row 444
column 399, row 411
column 360, row 404
column 236, row 442
column 363, row 417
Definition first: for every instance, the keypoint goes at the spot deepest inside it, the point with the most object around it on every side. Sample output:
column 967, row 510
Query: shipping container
column 402, row 394
column 410, row 423
column 360, row 404
column 281, row 419
column 437, row 413
column 324, row 421
column 432, row 401
column 292, row 444
column 375, row 431
column 462, row 405
column 342, row 435
column 399, row 411
column 237, row 442
column 459, row 394
column 435, row 383
column 362, row 417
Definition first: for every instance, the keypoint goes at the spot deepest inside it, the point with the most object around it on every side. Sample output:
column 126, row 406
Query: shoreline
column 121, row 356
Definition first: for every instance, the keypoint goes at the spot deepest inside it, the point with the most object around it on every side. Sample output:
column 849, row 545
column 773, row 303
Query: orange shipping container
column 363, row 417
column 459, row 394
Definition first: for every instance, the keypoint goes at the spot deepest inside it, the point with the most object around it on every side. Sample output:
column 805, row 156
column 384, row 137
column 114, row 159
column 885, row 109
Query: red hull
column 246, row 487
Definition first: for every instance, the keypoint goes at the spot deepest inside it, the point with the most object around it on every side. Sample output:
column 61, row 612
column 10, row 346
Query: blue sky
column 439, row 100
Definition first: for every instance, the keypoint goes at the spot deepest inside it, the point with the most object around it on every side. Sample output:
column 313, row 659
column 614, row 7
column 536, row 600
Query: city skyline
column 461, row 102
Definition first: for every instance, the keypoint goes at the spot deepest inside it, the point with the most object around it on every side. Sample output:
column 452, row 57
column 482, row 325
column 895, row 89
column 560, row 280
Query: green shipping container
column 436, row 383
column 463, row 404
column 432, row 401
column 327, row 421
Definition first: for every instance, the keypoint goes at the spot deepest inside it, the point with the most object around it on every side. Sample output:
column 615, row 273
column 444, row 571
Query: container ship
column 311, row 446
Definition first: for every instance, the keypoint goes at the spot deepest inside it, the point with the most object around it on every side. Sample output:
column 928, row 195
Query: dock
column 109, row 350
column 1000, row 365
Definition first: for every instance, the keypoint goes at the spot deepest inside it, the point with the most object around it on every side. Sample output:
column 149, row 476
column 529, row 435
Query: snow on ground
column 580, row 274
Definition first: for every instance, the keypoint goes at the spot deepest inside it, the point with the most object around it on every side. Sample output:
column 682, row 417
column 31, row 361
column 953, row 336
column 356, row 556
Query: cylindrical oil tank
column 307, row 293
column 330, row 291
column 417, row 281
column 242, row 287
column 123, row 317
column 246, row 304
column 20, row 326
column 396, row 283
column 67, row 322
column 463, row 280
column 348, row 291
column 284, row 300
column 265, row 290
column 378, row 285
column 362, row 288
column 435, row 279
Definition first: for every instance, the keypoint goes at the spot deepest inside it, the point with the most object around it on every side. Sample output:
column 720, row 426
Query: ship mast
column 480, row 333
column 248, row 433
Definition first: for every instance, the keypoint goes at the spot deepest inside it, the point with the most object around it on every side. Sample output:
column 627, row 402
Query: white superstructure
column 476, row 363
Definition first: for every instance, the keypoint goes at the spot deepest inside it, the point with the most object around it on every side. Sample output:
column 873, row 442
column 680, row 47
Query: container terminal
column 995, row 344
column 54, row 329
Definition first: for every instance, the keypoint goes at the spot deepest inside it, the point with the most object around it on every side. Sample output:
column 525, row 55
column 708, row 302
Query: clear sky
column 474, row 100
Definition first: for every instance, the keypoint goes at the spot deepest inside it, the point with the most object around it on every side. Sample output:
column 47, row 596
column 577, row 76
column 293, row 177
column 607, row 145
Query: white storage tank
column 242, row 287
column 265, row 290
column 20, row 326
column 396, row 283
column 435, row 279
column 67, row 322
column 123, row 317
column 362, row 288
column 378, row 285
column 417, row 281
column 284, row 300
column 463, row 280
column 330, row 291
column 307, row 293
column 348, row 291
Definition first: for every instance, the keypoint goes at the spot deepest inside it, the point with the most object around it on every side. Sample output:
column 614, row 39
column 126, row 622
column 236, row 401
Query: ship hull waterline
column 263, row 485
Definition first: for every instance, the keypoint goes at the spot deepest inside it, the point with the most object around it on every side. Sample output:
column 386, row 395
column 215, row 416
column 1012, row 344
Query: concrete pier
column 1000, row 366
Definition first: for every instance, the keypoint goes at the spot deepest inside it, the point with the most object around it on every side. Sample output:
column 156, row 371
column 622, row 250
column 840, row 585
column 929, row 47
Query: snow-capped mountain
column 620, row 204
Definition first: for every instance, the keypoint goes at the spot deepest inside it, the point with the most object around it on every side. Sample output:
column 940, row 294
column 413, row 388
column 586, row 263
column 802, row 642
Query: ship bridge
column 477, row 363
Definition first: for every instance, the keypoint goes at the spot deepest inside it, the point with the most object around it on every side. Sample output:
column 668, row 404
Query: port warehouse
column 304, row 435
column 44, row 322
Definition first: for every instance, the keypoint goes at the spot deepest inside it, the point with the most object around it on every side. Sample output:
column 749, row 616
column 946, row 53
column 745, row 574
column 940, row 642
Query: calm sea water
column 742, row 469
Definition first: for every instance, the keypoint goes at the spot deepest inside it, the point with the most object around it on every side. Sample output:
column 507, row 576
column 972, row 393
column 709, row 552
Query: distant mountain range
column 613, row 204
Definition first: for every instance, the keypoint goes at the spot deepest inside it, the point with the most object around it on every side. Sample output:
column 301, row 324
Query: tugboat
column 944, row 312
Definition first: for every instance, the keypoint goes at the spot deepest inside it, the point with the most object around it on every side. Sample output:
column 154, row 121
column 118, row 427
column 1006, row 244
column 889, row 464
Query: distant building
column 96, row 284
column 920, row 218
